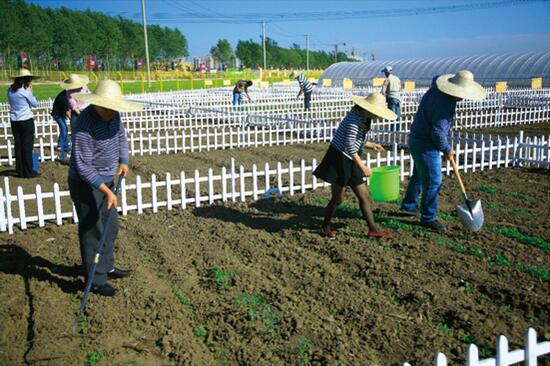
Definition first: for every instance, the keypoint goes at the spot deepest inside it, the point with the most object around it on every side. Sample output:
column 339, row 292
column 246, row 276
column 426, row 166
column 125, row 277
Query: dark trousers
column 23, row 135
column 307, row 101
column 92, row 215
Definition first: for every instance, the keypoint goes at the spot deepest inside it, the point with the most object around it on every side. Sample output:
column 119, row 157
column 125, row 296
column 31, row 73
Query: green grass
column 445, row 329
column 302, row 350
column 447, row 217
column 222, row 279
column 93, row 358
column 45, row 91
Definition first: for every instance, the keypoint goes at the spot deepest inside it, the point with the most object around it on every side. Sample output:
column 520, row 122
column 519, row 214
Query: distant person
column 75, row 105
column 21, row 101
column 241, row 87
column 428, row 139
column 391, row 89
column 63, row 111
column 99, row 151
column 342, row 165
column 305, row 88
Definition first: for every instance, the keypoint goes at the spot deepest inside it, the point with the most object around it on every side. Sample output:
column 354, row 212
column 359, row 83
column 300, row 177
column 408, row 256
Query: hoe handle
column 457, row 173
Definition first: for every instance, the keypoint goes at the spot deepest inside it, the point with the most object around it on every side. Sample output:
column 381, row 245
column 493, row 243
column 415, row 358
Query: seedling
column 200, row 332
column 83, row 325
column 469, row 289
column 146, row 259
column 487, row 188
column 258, row 308
column 94, row 357
column 183, row 298
column 504, row 308
column 515, row 234
column 162, row 274
column 223, row 280
column 445, row 329
column 302, row 351
column 394, row 300
column 449, row 218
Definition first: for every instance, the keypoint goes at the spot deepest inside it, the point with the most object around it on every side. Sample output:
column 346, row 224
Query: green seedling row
column 515, row 234
column 258, row 309
column 222, row 279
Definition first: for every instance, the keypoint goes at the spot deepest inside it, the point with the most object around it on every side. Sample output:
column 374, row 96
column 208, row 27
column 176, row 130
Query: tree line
column 251, row 54
column 67, row 35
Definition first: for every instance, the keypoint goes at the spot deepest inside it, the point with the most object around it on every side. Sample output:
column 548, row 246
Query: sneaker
column 104, row 290
column 415, row 212
column 331, row 234
column 119, row 273
column 434, row 226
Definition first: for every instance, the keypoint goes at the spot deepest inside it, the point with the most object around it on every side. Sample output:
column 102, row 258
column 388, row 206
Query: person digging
column 99, row 150
column 342, row 164
column 428, row 139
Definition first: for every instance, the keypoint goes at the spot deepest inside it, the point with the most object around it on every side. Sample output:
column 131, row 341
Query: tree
column 222, row 51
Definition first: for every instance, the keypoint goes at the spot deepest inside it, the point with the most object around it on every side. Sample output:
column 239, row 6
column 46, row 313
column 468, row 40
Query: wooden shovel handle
column 457, row 173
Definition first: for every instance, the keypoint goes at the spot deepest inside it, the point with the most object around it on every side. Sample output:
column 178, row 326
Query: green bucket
column 384, row 183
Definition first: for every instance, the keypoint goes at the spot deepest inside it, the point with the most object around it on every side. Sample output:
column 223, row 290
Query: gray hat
column 387, row 69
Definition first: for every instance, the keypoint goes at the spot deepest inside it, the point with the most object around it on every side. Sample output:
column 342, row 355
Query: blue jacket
column 432, row 122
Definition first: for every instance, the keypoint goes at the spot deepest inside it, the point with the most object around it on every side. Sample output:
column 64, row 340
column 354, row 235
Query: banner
column 90, row 63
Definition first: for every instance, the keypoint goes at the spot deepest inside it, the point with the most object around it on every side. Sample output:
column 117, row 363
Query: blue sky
column 518, row 28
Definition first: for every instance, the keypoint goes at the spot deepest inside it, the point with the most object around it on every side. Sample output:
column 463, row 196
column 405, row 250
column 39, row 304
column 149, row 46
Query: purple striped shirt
column 98, row 148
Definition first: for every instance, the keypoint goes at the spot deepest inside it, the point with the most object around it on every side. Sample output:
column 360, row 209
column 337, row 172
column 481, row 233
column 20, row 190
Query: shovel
column 91, row 275
column 470, row 212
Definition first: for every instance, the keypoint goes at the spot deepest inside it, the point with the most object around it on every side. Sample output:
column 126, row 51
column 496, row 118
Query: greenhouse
column 516, row 69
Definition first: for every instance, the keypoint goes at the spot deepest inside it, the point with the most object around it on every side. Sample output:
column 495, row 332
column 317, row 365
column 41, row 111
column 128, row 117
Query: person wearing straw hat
column 100, row 149
column 391, row 89
column 76, row 83
column 428, row 139
column 342, row 165
column 21, row 101
column 62, row 111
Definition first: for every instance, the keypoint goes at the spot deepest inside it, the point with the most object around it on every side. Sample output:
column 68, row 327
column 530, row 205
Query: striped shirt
column 305, row 84
column 98, row 148
column 351, row 134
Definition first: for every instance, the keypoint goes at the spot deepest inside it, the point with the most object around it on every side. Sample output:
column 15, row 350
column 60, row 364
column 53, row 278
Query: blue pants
column 426, row 178
column 63, row 142
column 395, row 105
column 237, row 98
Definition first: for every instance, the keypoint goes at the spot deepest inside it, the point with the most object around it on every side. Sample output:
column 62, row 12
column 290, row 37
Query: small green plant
column 162, row 275
column 302, row 351
column 504, row 308
column 487, row 188
column 393, row 298
column 515, row 234
column 146, row 259
column 447, row 217
column 469, row 289
column 540, row 272
column 93, row 358
column 183, row 298
column 533, row 320
column 200, row 332
column 223, row 280
column 445, row 329
column 83, row 325
column 258, row 308
column 501, row 260
column 215, row 348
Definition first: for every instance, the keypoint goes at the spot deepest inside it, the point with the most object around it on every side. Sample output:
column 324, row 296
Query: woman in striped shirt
column 342, row 165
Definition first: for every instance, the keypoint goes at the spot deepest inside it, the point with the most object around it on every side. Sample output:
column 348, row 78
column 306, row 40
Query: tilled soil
column 295, row 298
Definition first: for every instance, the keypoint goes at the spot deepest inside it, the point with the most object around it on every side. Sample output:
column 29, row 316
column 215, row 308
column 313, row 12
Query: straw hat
column 23, row 73
column 75, row 81
column 461, row 85
column 376, row 104
column 108, row 95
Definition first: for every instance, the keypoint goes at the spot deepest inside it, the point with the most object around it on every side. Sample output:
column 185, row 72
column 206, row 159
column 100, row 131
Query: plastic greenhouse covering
column 516, row 69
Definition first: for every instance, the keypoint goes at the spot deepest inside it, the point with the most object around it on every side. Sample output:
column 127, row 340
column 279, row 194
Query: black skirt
column 336, row 168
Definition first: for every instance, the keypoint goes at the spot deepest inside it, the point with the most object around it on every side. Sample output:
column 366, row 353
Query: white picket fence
column 504, row 357
column 471, row 155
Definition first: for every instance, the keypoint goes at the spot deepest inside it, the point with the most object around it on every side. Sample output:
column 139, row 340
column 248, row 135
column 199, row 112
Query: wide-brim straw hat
column 23, row 73
column 375, row 104
column 108, row 95
column 75, row 81
column 461, row 85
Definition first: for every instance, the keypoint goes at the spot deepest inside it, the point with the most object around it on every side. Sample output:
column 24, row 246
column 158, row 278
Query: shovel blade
column 471, row 215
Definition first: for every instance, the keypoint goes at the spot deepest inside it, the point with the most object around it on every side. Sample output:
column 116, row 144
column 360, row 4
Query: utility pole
column 336, row 50
column 146, row 43
column 307, row 54
column 263, row 37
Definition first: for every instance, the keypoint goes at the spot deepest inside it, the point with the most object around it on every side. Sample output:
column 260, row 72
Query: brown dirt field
column 296, row 298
